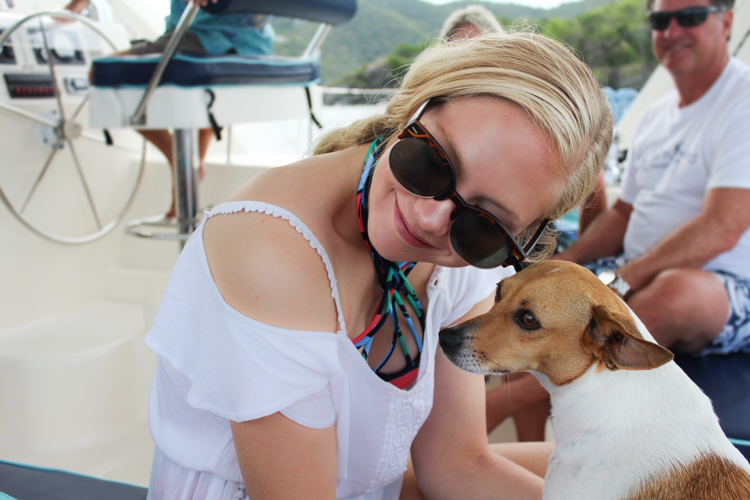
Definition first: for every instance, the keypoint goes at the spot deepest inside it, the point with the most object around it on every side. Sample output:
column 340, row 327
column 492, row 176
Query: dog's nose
column 451, row 338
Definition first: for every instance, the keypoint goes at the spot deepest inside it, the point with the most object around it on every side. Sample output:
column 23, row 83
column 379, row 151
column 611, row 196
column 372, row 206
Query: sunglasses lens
column 688, row 18
column 478, row 240
column 419, row 168
column 659, row 20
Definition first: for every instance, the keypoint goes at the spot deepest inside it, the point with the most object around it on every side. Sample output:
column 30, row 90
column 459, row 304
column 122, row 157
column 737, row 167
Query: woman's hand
column 281, row 459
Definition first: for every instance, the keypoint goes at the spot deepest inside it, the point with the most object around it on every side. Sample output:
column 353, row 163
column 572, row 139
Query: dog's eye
column 527, row 320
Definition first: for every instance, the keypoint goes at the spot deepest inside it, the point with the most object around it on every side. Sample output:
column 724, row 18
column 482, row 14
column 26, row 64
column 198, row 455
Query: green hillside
column 380, row 25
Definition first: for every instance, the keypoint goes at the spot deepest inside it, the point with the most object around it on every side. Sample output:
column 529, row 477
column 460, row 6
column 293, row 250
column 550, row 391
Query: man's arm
column 603, row 238
column 451, row 455
column 724, row 218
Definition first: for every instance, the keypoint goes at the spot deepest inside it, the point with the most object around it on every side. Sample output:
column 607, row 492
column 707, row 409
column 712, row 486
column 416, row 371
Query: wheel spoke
column 85, row 184
column 58, row 96
column 30, row 116
column 80, row 107
column 40, row 176
column 57, row 124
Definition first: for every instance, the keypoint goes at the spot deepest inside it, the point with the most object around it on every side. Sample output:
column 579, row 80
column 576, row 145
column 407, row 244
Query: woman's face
column 503, row 164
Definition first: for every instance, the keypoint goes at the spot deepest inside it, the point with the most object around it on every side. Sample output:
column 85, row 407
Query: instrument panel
column 25, row 58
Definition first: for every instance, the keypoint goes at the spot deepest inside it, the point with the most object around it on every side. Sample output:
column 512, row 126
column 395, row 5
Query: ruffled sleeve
column 466, row 286
column 238, row 368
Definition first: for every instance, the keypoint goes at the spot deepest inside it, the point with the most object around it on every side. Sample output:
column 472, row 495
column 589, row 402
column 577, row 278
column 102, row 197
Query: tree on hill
column 614, row 40
column 380, row 25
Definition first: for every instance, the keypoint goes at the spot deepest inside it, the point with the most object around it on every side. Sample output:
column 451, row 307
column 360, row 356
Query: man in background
column 676, row 244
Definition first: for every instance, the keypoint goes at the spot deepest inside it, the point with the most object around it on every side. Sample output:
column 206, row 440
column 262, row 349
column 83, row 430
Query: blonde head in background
column 469, row 22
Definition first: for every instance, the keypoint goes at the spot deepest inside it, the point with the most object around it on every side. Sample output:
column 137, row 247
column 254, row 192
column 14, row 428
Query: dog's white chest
column 615, row 430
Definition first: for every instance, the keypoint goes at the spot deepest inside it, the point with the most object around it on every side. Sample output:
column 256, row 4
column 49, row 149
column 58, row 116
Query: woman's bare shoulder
column 262, row 265
column 265, row 269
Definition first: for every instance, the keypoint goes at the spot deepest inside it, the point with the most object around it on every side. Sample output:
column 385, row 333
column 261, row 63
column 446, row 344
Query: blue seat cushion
column 197, row 70
column 726, row 381
column 32, row 483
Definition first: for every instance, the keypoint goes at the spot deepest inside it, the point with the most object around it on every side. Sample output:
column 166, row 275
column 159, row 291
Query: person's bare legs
column 684, row 309
column 163, row 141
column 523, row 398
column 205, row 135
column 531, row 421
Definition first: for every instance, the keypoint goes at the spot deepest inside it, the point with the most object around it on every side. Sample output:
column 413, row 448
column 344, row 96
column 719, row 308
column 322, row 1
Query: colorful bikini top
column 396, row 289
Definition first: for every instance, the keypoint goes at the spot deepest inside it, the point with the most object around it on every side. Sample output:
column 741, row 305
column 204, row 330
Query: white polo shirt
column 678, row 154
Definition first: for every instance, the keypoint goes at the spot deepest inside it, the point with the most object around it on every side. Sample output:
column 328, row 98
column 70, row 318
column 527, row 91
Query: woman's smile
column 407, row 233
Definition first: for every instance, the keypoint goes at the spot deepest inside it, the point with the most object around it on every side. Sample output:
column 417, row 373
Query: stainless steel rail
column 139, row 117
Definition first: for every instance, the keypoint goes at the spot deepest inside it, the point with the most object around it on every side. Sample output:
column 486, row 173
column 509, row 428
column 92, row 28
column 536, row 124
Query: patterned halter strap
column 395, row 286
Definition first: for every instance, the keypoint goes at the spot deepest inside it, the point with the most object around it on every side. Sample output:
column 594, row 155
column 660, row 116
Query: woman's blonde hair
column 544, row 77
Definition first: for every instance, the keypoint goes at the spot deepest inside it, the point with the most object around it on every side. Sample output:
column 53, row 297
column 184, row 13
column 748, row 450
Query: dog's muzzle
column 456, row 344
column 451, row 339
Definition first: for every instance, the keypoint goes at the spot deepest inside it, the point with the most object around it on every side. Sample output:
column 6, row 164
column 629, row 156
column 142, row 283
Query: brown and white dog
column 628, row 423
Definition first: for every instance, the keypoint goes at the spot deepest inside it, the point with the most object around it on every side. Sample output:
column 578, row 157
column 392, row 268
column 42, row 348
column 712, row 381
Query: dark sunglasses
column 421, row 166
column 687, row 18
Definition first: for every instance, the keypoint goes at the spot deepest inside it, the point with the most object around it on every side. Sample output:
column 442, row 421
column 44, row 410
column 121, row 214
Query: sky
column 544, row 4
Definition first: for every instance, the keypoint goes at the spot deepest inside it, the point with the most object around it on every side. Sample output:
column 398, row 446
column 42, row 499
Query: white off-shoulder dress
column 216, row 365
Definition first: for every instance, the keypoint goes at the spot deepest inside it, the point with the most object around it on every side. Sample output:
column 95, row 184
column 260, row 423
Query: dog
column 628, row 423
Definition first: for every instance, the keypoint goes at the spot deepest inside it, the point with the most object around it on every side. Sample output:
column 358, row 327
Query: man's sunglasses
column 421, row 166
column 687, row 18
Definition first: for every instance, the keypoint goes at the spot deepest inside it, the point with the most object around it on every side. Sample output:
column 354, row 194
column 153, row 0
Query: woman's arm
column 451, row 454
column 281, row 459
column 266, row 270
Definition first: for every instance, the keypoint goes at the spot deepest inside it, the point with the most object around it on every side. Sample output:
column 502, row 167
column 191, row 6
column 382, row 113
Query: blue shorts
column 736, row 333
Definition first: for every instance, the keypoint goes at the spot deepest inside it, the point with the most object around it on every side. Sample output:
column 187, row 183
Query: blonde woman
column 297, row 341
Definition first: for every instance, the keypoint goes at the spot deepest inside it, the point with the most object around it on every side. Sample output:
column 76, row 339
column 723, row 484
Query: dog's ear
column 613, row 337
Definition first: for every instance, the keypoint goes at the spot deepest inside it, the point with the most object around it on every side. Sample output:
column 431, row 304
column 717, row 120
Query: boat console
column 186, row 92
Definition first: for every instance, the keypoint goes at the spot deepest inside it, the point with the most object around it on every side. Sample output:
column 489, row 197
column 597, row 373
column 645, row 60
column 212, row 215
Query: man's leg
column 524, row 399
column 684, row 309
column 531, row 421
column 205, row 135
column 163, row 141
